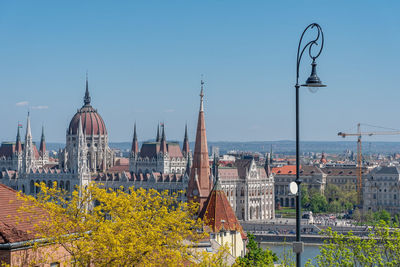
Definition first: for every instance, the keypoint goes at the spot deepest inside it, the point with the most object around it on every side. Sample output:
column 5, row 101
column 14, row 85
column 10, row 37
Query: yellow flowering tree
column 106, row 227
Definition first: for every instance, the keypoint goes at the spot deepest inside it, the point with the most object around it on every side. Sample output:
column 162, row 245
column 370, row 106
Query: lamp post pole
column 314, row 82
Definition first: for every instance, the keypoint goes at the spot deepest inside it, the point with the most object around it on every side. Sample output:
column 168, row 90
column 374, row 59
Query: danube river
column 310, row 250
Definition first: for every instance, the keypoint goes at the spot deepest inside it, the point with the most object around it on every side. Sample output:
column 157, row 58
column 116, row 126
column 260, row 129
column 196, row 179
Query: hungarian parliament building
column 161, row 164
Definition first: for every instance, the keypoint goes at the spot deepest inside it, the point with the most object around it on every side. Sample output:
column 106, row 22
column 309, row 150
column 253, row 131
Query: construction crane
column 359, row 134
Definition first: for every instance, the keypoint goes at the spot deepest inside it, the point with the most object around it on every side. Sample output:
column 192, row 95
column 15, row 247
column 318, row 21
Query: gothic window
column 32, row 187
column 242, row 192
column 23, row 189
column 37, row 187
column 62, row 184
column 67, row 186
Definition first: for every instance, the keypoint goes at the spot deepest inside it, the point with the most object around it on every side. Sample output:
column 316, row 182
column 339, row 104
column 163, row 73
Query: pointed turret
column 158, row 133
column 186, row 148
column 42, row 150
column 271, row 156
column 163, row 144
column 135, row 146
column 215, row 167
column 199, row 183
column 28, row 133
column 218, row 214
column 18, row 145
column 86, row 99
column 267, row 167
column 28, row 155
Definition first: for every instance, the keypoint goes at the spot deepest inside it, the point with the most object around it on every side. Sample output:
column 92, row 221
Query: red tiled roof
column 119, row 168
column 227, row 173
column 291, row 170
column 174, row 150
column 287, row 170
column 11, row 229
column 217, row 213
column 122, row 161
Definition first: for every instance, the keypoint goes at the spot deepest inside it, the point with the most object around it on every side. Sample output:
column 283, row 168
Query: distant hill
column 289, row 147
column 283, row 147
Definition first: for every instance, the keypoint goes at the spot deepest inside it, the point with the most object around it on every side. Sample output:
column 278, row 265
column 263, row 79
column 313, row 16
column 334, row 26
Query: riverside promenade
column 283, row 230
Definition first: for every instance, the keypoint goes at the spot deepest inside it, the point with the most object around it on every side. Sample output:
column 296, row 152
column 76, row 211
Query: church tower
column 186, row 148
column 28, row 161
column 199, row 182
column 135, row 146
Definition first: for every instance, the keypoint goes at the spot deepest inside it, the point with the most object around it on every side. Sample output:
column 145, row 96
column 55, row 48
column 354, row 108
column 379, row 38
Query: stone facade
column 381, row 190
column 313, row 177
column 249, row 190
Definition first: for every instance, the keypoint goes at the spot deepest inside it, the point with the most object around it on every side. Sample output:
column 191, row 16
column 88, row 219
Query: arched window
column 37, row 187
column 49, row 184
column 23, row 189
column 242, row 192
column 62, row 184
column 32, row 187
column 67, row 186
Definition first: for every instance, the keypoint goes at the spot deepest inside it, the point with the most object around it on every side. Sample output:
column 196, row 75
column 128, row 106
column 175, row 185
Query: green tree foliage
column 305, row 196
column 374, row 218
column 318, row 203
column 382, row 215
column 381, row 248
column 338, row 199
column 256, row 256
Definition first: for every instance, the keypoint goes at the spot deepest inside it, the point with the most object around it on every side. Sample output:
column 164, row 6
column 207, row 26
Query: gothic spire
column 186, row 148
column 28, row 133
column 86, row 100
column 42, row 143
column 18, row 145
column 199, row 191
column 215, row 167
column 267, row 167
column 201, row 96
column 217, row 184
column 163, row 145
column 158, row 133
column 135, row 147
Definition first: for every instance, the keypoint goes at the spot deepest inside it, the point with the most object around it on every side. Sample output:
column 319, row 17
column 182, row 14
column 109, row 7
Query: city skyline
column 148, row 68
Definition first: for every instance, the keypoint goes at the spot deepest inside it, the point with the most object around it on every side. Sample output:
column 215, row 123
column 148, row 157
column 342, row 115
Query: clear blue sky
column 145, row 59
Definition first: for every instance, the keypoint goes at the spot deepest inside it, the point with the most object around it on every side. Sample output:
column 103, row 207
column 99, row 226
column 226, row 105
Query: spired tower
column 28, row 160
column 99, row 156
column 200, row 183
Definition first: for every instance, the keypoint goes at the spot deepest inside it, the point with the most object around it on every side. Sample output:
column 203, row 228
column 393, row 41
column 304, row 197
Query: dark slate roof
column 338, row 171
column 242, row 166
column 388, row 170
column 151, row 149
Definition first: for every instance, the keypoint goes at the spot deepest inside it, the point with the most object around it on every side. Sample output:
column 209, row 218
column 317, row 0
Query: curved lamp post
column 312, row 82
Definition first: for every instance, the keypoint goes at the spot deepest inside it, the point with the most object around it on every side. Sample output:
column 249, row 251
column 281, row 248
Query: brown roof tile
column 217, row 213
column 11, row 229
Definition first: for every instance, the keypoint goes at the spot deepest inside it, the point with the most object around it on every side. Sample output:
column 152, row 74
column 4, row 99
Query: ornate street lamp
column 313, row 82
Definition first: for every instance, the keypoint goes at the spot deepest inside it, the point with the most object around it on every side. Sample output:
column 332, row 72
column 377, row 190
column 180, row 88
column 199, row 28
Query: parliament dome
column 92, row 122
